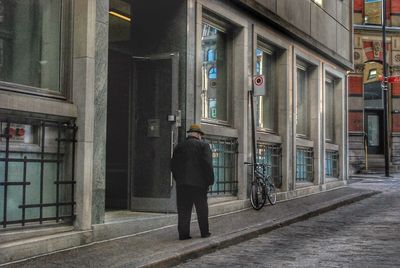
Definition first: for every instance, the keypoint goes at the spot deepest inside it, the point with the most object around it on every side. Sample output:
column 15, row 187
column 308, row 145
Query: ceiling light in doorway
column 119, row 15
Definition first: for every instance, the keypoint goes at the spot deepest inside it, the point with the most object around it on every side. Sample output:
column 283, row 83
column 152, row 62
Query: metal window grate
column 271, row 155
column 224, row 154
column 332, row 163
column 304, row 164
column 37, row 182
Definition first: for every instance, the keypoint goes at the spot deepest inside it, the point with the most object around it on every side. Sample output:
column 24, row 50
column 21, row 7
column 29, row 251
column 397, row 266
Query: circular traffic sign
column 258, row 80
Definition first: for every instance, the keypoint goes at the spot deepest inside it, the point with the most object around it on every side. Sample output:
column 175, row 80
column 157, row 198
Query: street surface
column 362, row 234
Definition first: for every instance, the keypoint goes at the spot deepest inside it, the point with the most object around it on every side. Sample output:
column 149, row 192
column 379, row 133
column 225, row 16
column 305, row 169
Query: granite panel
column 269, row 4
column 321, row 24
column 100, row 112
column 330, row 7
column 98, row 208
column 343, row 14
column 343, row 42
column 102, row 11
column 296, row 12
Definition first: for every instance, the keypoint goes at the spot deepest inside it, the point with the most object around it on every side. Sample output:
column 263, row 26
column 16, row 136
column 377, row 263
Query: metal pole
column 385, row 90
column 251, row 95
column 253, row 128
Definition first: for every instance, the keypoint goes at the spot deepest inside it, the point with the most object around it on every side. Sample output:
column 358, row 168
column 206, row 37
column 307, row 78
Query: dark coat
column 191, row 163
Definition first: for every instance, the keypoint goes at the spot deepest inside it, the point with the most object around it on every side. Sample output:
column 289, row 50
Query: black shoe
column 206, row 235
column 185, row 237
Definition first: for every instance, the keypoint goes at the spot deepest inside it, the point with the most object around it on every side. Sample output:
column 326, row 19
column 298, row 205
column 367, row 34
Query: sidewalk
column 161, row 248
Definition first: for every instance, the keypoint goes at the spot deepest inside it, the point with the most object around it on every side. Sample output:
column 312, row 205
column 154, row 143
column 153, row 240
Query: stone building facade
column 94, row 96
column 366, row 152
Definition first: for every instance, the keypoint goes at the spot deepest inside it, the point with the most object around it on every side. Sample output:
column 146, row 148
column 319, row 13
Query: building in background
column 366, row 137
column 95, row 94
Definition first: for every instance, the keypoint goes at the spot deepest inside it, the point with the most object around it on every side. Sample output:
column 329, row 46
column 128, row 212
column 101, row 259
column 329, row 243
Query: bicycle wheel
column 257, row 195
column 271, row 193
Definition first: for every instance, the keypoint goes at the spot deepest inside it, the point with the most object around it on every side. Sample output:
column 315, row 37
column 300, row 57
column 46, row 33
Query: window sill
column 304, row 143
column 331, row 146
column 268, row 137
column 219, row 130
column 17, row 105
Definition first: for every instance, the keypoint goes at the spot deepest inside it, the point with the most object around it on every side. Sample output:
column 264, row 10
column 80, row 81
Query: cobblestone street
column 363, row 234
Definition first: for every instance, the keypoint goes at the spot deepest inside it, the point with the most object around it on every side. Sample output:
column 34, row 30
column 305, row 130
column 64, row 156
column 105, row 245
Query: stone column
column 100, row 111
column 83, row 97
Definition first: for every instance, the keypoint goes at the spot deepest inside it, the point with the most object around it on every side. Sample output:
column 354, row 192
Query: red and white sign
column 393, row 79
column 390, row 79
column 259, row 85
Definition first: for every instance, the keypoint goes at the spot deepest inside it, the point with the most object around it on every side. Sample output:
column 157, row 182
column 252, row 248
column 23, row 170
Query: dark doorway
column 153, row 134
column 117, row 186
column 374, row 129
column 143, row 79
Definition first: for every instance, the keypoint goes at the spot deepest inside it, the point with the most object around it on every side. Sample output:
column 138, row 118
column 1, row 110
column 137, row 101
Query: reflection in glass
column 214, row 95
column 30, row 33
column 373, row 97
column 373, row 12
column 373, row 130
column 302, row 102
column 266, row 105
column 329, row 110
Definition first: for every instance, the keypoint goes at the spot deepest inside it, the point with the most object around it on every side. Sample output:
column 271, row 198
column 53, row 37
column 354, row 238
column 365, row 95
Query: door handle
column 178, row 118
column 172, row 152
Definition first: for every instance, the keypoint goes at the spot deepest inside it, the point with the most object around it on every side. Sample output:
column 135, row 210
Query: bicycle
column 262, row 187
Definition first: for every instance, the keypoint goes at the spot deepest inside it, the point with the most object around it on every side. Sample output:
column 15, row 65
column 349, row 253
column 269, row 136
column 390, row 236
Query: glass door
column 153, row 132
column 374, row 131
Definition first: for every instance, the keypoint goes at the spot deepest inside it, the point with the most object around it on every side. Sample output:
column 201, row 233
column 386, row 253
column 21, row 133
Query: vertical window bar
column 6, row 174
column 24, row 192
column 58, row 172
column 224, row 165
column 304, row 164
column 218, row 142
column 74, row 129
column 42, row 171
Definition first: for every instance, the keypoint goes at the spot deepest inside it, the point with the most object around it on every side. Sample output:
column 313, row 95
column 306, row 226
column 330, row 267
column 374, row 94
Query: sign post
column 385, row 93
column 259, row 85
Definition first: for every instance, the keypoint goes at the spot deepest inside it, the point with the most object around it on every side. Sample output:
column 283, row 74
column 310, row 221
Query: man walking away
column 191, row 166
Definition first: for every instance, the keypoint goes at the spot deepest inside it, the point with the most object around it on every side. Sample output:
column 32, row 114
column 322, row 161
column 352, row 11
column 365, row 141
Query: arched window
column 212, row 73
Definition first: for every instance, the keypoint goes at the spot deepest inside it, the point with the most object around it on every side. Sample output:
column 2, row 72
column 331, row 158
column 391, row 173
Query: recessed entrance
column 142, row 103
column 374, row 130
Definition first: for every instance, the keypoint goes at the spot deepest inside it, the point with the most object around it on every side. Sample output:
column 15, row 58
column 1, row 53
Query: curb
column 172, row 258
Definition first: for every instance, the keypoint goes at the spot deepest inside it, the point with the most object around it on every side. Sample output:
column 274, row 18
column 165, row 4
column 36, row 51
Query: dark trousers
column 186, row 196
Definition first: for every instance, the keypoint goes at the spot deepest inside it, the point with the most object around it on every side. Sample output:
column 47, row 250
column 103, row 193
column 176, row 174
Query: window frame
column 227, row 28
column 330, row 80
column 303, row 67
column 65, row 64
column 381, row 15
column 272, row 52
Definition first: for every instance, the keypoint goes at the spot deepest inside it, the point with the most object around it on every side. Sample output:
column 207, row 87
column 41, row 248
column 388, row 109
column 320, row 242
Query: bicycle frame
column 260, row 177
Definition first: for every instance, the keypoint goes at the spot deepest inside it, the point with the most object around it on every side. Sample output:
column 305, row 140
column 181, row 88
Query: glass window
column 372, row 74
column 30, row 33
column 373, row 12
column 373, row 97
column 302, row 102
column 214, row 95
column 329, row 109
column 267, row 105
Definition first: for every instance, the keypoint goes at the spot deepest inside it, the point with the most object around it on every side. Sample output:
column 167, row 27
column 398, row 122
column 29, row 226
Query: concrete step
column 38, row 246
column 31, row 231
